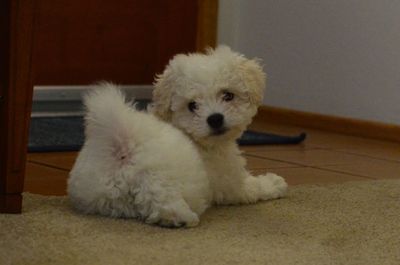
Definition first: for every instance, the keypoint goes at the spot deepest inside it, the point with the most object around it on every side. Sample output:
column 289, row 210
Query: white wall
column 338, row 57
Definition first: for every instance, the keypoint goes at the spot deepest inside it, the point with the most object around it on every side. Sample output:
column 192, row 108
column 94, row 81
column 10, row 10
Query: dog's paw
column 179, row 219
column 272, row 186
column 174, row 217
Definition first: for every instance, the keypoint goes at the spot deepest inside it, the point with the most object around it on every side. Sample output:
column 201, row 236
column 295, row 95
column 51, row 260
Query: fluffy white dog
column 213, row 97
column 134, row 165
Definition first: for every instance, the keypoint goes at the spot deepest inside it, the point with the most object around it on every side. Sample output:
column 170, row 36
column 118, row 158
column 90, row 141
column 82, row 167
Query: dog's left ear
column 162, row 94
column 254, row 78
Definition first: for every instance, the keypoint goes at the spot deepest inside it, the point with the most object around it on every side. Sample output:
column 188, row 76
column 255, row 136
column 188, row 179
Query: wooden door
column 125, row 41
column 68, row 42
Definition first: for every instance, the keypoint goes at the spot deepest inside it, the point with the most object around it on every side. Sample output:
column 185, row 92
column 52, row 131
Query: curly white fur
column 196, row 86
column 135, row 165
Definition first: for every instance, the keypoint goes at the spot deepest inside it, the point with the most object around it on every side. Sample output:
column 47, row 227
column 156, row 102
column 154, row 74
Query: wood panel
column 126, row 41
column 4, row 48
column 15, row 104
column 343, row 125
column 207, row 24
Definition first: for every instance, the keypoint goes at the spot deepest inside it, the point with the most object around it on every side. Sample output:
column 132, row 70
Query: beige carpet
column 353, row 223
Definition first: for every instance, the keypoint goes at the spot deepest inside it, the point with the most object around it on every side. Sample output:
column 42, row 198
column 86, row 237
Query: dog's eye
column 192, row 106
column 228, row 96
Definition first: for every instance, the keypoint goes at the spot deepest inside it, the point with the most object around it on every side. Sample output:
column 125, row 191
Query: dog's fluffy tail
column 108, row 118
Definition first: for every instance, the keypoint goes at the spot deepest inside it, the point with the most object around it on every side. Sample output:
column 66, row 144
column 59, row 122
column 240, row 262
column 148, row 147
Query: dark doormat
column 51, row 134
column 47, row 134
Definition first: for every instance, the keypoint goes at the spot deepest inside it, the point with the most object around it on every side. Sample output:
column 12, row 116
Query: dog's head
column 210, row 96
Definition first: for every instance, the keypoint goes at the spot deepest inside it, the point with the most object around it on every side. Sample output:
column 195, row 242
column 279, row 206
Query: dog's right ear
column 162, row 95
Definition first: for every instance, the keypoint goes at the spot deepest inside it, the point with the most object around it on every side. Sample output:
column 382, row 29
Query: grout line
column 320, row 166
column 342, row 172
column 266, row 150
column 363, row 178
column 277, row 160
column 312, row 167
column 332, row 150
column 47, row 165
column 364, row 155
column 272, row 168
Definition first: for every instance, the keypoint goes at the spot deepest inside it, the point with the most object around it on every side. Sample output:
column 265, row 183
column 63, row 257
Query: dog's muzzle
column 216, row 123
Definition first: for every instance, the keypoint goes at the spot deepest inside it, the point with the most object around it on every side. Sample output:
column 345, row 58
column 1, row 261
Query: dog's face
column 210, row 96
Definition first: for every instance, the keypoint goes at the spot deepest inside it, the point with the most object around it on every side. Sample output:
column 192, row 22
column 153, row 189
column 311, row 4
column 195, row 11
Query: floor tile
column 372, row 168
column 45, row 180
column 61, row 160
column 312, row 157
column 339, row 141
column 308, row 175
column 390, row 153
column 324, row 139
column 250, row 149
column 260, row 163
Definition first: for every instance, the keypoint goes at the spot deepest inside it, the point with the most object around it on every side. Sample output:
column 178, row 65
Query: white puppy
column 134, row 165
column 212, row 98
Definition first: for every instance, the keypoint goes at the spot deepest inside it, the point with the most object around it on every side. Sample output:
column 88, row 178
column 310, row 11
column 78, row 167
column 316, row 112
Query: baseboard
column 67, row 100
column 370, row 129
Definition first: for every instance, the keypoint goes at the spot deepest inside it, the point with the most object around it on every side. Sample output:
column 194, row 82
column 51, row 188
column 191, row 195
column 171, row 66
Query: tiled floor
column 323, row 158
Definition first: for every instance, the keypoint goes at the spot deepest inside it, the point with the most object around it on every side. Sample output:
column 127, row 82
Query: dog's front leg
column 233, row 184
column 242, row 187
column 263, row 187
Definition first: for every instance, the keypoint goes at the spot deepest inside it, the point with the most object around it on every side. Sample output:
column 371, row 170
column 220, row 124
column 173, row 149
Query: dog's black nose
column 215, row 120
